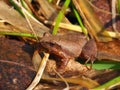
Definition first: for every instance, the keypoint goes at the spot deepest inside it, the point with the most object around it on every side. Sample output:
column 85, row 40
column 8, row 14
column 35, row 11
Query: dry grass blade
column 94, row 26
column 83, row 81
column 111, row 34
column 39, row 72
column 66, row 26
column 87, row 14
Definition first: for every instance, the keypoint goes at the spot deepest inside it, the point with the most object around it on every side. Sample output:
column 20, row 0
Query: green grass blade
column 119, row 6
column 109, row 84
column 60, row 16
column 101, row 65
column 18, row 34
column 26, row 6
column 50, row 1
column 19, row 9
column 16, row 7
column 79, row 20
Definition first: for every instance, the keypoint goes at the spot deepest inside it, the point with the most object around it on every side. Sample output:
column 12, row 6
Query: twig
column 57, row 3
column 67, row 85
column 101, row 10
column 114, row 15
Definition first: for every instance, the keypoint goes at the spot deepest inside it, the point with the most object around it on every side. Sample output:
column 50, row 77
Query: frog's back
column 71, row 42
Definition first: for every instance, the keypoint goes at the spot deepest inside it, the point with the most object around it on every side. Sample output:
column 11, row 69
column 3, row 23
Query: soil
column 104, row 14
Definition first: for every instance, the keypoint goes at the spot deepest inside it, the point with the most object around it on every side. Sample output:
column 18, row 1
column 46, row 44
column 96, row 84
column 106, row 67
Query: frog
column 68, row 46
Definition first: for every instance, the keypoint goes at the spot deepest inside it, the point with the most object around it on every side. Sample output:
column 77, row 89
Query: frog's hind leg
column 62, row 66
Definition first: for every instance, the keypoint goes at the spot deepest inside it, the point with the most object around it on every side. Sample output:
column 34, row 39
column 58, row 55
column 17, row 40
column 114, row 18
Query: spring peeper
column 68, row 46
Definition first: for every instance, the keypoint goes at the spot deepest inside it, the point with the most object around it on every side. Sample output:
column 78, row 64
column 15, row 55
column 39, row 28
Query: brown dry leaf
column 49, row 11
column 36, row 59
column 109, row 50
column 15, row 65
column 12, row 17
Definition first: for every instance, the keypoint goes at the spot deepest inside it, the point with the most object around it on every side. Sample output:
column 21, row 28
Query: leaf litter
column 72, row 71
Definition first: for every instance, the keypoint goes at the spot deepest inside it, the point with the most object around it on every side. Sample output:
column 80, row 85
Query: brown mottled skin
column 68, row 46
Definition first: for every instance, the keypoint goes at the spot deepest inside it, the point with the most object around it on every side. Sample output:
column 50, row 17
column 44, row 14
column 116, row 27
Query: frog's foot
column 91, row 65
column 91, row 61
